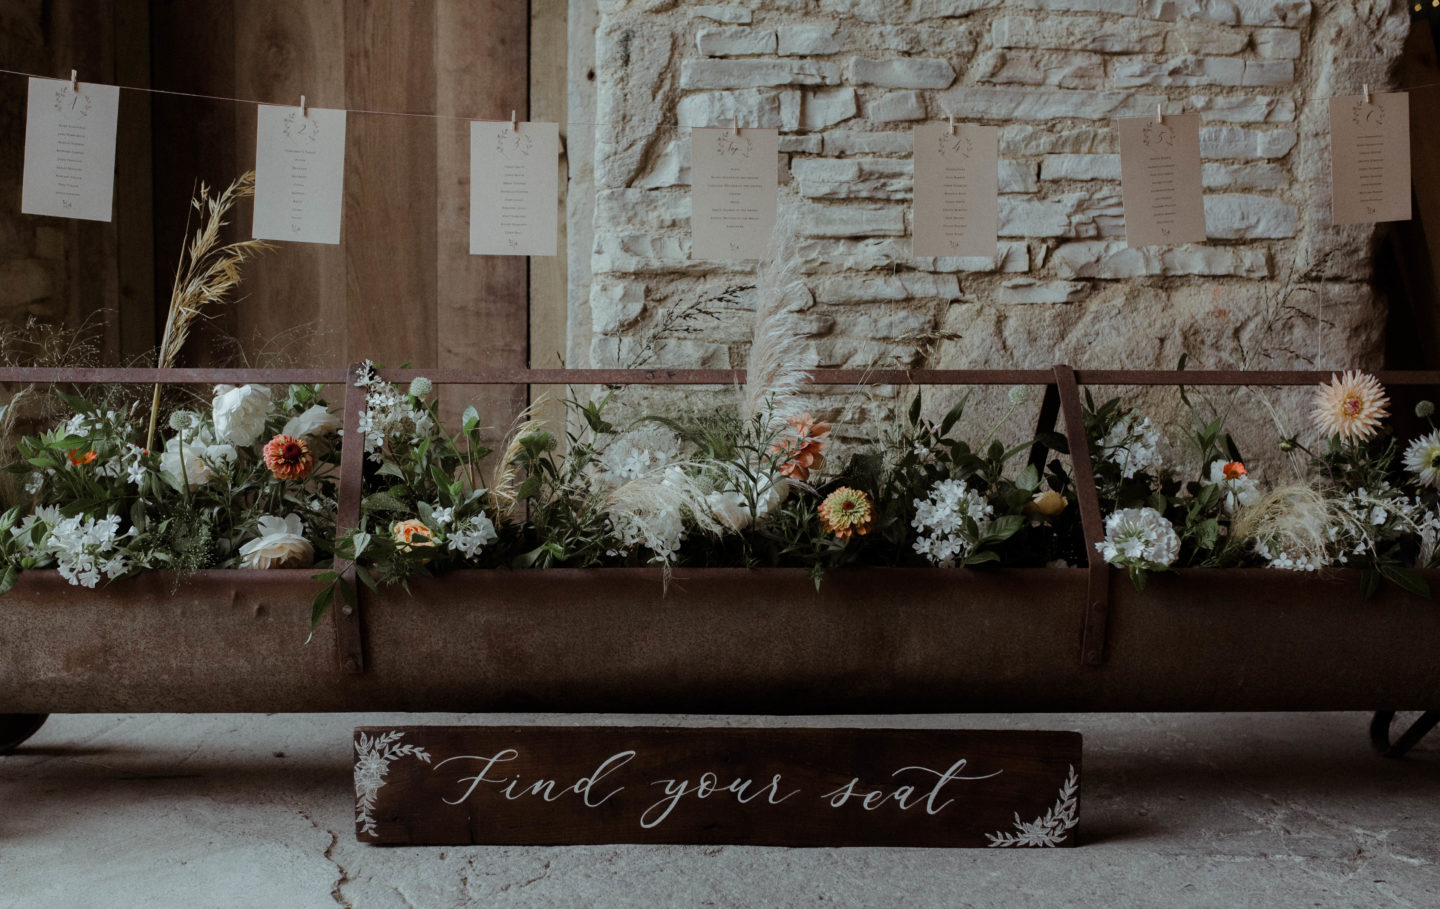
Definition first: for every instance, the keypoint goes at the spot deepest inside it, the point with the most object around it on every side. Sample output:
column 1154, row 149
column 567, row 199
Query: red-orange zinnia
column 87, row 458
column 1234, row 470
column 289, row 458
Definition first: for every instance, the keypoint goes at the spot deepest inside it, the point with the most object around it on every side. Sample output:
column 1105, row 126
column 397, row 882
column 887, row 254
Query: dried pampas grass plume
column 776, row 372
column 1295, row 519
column 503, row 482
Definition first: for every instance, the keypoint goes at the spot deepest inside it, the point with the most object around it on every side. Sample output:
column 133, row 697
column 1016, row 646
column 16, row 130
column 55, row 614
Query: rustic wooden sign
column 552, row 785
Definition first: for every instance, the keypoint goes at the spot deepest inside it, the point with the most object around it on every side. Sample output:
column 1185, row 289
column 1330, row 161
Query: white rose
column 240, row 413
column 317, row 421
column 194, row 472
column 281, row 544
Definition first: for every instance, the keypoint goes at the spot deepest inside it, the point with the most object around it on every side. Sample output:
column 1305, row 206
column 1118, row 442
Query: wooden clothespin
column 952, row 124
column 735, row 124
column 304, row 111
column 75, row 81
column 1367, row 92
column 514, row 122
column 1159, row 115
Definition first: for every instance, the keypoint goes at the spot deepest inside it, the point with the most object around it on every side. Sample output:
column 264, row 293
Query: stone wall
column 844, row 81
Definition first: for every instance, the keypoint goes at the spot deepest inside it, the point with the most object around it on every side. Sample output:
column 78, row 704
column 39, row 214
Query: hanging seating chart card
column 734, row 192
column 553, row 785
column 70, row 149
column 1370, row 158
column 956, row 190
column 1160, row 180
column 299, row 174
column 514, row 188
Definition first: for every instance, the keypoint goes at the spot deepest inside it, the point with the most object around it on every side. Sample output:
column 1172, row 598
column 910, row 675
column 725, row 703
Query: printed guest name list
column 299, row 174
column 734, row 192
column 70, row 150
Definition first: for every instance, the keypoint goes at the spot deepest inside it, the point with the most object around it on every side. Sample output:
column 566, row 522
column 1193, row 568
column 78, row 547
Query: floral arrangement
column 248, row 478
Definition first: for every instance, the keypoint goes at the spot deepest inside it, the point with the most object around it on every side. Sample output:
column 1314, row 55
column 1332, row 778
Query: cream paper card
column 1370, row 158
column 1160, row 180
column 734, row 191
column 514, row 189
column 299, row 174
column 70, row 150
column 956, row 190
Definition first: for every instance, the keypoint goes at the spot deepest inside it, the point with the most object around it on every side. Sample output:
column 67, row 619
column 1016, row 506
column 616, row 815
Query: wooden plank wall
column 401, row 287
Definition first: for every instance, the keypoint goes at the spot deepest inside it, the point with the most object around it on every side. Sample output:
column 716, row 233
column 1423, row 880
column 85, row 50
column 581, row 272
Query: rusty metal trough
column 724, row 640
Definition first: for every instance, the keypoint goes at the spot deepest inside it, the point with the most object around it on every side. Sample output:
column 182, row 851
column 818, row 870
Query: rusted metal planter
column 721, row 640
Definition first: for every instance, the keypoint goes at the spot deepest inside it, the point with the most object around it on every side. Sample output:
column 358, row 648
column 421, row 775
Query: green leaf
column 915, row 410
column 470, row 419
column 952, row 416
column 427, row 517
column 76, row 403
column 383, row 501
column 1406, row 580
column 1370, row 581
column 528, row 488
column 1005, row 527
column 980, row 558
column 321, row 605
column 8, row 578
column 1029, row 479
column 366, row 577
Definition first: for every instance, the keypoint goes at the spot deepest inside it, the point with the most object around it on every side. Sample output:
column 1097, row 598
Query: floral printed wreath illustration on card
column 1158, row 135
column 301, row 126
column 1368, row 113
column 956, row 146
column 510, row 143
column 732, row 145
column 69, row 101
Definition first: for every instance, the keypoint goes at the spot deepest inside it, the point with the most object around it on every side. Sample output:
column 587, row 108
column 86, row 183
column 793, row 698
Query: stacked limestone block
column 845, row 80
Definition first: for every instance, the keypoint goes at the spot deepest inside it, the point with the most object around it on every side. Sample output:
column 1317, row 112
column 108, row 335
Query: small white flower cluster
column 84, row 548
column 941, row 521
column 661, row 532
column 196, row 460
column 1373, row 515
column 637, row 452
column 1276, row 557
column 389, row 413
column 1139, row 538
column 1133, row 445
column 1240, row 492
column 472, row 536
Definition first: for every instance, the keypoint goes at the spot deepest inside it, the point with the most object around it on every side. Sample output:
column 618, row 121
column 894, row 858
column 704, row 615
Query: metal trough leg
column 1380, row 732
column 17, row 727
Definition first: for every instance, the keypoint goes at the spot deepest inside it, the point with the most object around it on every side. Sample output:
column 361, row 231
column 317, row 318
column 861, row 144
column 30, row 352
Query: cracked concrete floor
column 257, row 811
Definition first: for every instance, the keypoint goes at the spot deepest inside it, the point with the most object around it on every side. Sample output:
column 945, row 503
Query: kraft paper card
column 734, row 192
column 514, row 189
column 70, row 150
column 299, row 174
column 1370, row 158
column 1160, row 180
column 956, row 190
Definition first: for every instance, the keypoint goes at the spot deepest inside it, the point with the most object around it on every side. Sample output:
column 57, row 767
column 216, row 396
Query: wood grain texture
column 537, row 785
column 549, row 90
column 295, row 307
column 480, row 301
column 389, row 231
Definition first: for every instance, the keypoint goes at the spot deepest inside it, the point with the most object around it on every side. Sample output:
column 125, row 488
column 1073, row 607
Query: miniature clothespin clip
column 75, row 81
column 304, row 111
column 952, row 124
column 1367, row 92
column 1159, row 115
column 514, row 122
column 735, row 124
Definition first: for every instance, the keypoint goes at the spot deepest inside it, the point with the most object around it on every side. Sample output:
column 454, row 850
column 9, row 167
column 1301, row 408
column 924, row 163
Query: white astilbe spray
column 654, row 509
column 776, row 371
column 1133, row 444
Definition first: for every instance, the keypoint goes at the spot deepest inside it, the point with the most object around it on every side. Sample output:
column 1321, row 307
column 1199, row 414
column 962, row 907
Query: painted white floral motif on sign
column 1050, row 829
column 372, row 761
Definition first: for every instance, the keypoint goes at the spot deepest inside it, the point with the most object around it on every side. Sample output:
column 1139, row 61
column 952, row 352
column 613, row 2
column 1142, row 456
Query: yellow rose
column 1048, row 503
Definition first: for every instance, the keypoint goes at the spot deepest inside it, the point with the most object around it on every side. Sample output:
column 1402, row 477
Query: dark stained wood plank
column 193, row 51
column 535, row 785
column 389, row 230
column 295, row 307
column 549, row 101
column 481, row 301
column 134, row 332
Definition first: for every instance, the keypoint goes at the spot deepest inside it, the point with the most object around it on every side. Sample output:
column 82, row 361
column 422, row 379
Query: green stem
column 154, row 416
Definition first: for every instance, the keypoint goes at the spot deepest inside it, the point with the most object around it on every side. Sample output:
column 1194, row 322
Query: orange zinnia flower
column 847, row 511
column 289, row 458
column 79, row 459
column 802, row 452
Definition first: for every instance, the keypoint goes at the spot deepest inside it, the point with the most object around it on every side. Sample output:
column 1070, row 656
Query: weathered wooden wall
column 401, row 287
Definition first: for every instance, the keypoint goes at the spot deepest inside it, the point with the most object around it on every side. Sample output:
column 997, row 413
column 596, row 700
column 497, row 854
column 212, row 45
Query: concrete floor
column 257, row 811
